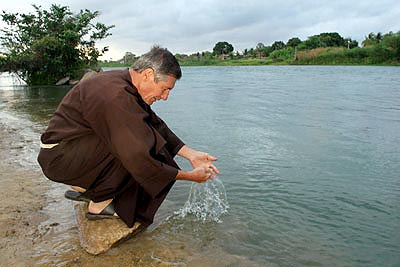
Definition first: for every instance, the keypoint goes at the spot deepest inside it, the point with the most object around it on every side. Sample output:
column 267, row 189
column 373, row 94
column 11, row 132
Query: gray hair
column 161, row 61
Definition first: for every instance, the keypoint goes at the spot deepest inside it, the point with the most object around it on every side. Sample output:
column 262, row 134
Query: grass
column 318, row 56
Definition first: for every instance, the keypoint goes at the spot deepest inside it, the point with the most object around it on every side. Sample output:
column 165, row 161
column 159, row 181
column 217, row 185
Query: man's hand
column 202, row 159
column 198, row 159
column 199, row 175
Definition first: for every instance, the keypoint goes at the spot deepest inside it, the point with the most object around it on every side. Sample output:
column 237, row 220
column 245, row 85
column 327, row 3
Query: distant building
column 223, row 56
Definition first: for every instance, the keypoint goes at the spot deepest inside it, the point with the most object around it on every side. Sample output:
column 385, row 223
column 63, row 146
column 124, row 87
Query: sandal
column 76, row 196
column 106, row 213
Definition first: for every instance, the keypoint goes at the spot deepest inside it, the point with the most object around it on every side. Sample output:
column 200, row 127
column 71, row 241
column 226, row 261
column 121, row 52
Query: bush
column 283, row 54
column 333, row 56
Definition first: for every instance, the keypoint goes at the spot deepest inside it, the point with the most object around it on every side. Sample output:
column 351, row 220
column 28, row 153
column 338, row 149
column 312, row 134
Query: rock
column 63, row 81
column 89, row 73
column 98, row 236
column 73, row 82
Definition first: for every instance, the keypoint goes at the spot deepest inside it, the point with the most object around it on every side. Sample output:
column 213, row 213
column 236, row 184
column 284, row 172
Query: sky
column 187, row 27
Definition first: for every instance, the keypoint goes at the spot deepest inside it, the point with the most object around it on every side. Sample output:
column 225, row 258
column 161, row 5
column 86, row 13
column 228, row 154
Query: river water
column 309, row 158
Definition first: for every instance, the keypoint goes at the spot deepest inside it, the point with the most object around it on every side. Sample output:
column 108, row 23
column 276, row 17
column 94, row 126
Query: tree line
column 385, row 46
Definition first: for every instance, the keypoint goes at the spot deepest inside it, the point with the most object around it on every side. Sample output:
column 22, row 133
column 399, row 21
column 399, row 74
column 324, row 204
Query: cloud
column 189, row 26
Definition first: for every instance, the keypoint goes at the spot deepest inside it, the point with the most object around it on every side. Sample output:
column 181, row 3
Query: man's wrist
column 187, row 153
column 183, row 175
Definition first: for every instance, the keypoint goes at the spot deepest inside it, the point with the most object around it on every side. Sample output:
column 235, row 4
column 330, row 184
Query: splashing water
column 206, row 201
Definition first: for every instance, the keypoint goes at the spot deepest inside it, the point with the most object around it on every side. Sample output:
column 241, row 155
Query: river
column 309, row 157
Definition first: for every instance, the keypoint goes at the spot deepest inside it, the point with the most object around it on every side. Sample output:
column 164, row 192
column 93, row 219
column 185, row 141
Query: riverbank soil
column 22, row 199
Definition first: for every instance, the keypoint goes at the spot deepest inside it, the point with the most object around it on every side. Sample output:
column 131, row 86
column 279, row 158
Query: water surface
column 309, row 157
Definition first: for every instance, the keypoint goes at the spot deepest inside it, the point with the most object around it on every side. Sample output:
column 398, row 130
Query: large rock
column 63, row 81
column 100, row 235
column 73, row 82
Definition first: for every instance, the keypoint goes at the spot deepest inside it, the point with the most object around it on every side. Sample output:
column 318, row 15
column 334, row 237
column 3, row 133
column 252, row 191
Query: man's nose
column 165, row 95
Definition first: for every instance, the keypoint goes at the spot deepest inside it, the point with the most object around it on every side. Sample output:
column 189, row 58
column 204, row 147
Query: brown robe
column 112, row 144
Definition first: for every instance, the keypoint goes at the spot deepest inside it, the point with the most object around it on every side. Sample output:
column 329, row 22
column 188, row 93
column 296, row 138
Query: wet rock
column 63, row 81
column 98, row 236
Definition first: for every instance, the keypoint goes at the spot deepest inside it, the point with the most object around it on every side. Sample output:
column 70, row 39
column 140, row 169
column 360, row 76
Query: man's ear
column 148, row 74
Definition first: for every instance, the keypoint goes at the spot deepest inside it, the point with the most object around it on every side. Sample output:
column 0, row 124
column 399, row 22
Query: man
column 106, row 142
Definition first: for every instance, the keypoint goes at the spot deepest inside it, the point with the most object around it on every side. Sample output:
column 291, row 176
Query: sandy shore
column 22, row 200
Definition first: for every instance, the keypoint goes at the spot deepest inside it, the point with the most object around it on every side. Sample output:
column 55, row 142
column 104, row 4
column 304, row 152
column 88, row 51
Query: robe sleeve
column 123, row 126
column 173, row 142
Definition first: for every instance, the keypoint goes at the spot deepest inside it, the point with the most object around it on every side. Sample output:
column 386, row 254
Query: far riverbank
column 253, row 62
column 332, row 56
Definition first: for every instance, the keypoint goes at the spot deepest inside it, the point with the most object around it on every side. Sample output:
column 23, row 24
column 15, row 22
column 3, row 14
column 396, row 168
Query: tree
column 267, row 50
column 260, row 48
column 222, row 48
column 252, row 52
column 277, row 45
column 351, row 43
column 207, row 55
column 129, row 58
column 293, row 42
column 311, row 43
column 379, row 37
column 329, row 39
column 392, row 41
column 372, row 39
column 48, row 45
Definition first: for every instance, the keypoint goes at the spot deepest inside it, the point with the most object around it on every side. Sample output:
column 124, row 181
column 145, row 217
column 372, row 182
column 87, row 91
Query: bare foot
column 97, row 207
column 77, row 188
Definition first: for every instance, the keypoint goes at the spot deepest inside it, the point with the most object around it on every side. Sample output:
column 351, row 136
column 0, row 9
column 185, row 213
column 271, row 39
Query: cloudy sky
column 185, row 26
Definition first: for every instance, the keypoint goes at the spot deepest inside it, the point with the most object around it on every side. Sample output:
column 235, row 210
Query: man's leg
column 87, row 166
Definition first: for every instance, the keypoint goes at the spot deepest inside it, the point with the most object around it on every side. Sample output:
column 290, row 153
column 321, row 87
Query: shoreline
column 229, row 63
column 23, row 199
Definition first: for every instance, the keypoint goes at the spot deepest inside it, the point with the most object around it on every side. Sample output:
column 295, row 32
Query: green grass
column 357, row 56
column 112, row 65
column 233, row 62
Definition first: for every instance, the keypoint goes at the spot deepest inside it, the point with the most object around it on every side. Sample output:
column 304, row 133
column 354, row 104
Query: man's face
column 152, row 91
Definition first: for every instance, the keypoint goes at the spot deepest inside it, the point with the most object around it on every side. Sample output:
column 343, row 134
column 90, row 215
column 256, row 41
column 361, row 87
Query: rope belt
column 48, row 145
